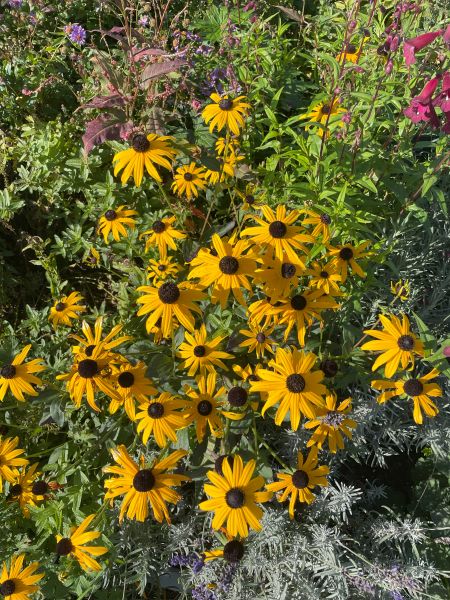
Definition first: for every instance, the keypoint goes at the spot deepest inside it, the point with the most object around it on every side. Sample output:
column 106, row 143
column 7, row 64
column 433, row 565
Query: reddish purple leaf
column 158, row 69
column 104, row 128
column 106, row 101
column 140, row 54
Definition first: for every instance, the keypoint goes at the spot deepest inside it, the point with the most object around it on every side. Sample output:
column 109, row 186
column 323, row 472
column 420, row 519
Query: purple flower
column 143, row 21
column 15, row 3
column 201, row 592
column 421, row 107
column 417, row 43
column 397, row 596
column 76, row 33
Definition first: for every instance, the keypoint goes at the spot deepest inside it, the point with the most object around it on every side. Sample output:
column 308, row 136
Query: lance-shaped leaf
column 105, row 127
column 106, row 101
column 156, row 70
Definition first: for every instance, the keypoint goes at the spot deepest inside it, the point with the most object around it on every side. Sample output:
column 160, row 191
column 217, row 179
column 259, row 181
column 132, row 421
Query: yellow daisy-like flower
column 144, row 486
column 420, row 390
column 74, row 545
column 9, row 459
column 224, row 168
column 330, row 423
column 226, row 146
column 278, row 233
column 162, row 269
column 21, row 489
column 325, row 278
column 252, row 197
column 345, row 257
column 225, row 112
column 234, row 497
column 257, row 339
column 189, row 180
column 278, row 277
column 321, row 224
column 249, row 374
column 169, row 301
column 300, row 483
column 227, row 272
column 302, row 309
column 145, row 152
column 93, row 258
column 206, row 406
column 401, row 289
column 88, row 375
column 162, row 236
column 17, row 376
column 396, row 342
column 131, row 384
column 113, row 222
column 293, row 385
column 17, row 583
column 351, row 52
column 264, row 312
column 233, row 552
column 161, row 418
column 94, row 339
column 200, row 354
column 66, row 308
column 325, row 113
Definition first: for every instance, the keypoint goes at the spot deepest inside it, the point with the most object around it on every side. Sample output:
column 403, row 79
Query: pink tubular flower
column 411, row 46
column 443, row 99
column 421, row 107
column 446, row 35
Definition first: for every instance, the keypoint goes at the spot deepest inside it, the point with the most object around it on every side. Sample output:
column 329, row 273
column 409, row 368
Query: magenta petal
column 417, row 43
column 425, row 95
column 409, row 54
column 446, row 35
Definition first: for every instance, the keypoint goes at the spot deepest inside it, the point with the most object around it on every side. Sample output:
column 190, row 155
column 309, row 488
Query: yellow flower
column 401, row 289
column 93, row 258
column 143, row 486
column 228, row 271
column 113, row 221
column 325, row 278
column 188, row 179
column 160, row 417
column 93, row 340
column 169, row 301
column 205, row 408
column 300, row 483
column 252, row 197
column 302, row 309
column 162, row 269
column 293, row 385
column 17, row 583
column 9, row 459
column 224, row 168
column 87, row 375
column 396, row 342
column 74, row 545
column 200, row 354
column 345, row 257
column 131, row 384
column 330, row 422
column 264, row 312
column 162, row 235
column 225, row 112
column 21, row 489
column 145, row 151
column 257, row 339
column 66, row 308
column 230, row 146
column 249, row 374
column 278, row 233
column 419, row 390
column 233, row 552
column 326, row 114
column 278, row 277
column 17, row 376
column 234, row 497
column 351, row 52
column 321, row 224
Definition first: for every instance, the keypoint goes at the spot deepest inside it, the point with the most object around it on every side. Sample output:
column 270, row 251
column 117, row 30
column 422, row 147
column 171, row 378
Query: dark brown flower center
column 204, row 408
column 288, row 270
column 89, row 350
column 237, row 396
column 329, row 367
column 324, row 274
column 15, row 490
column 140, row 143
column 295, row 383
column 64, row 547
column 253, row 378
column 226, row 104
column 346, row 253
column 87, row 368
column 405, row 342
column 155, row 410
column 326, row 219
column 413, row 387
column 199, row 351
column 40, row 487
column 168, row 293
column 351, row 48
column 260, row 338
column 8, row 371
column 229, row 265
column 188, row 176
column 300, row 479
column 110, row 215
column 249, row 199
column 126, row 379
column 218, row 464
column 60, row 306
column 144, row 480
column 233, row 551
column 277, row 229
column 159, row 226
column 235, row 498
column 298, row 302
column 162, row 267
column 326, row 109
column 7, row 588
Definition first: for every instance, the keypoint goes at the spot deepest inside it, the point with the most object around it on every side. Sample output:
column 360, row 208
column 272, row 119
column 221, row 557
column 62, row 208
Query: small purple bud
column 388, row 68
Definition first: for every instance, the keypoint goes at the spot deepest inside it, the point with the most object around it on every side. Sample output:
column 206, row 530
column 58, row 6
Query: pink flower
column 443, row 99
column 425, row 95
column 26, row 92
column 446, row 35
column 417, row 43
column 417, row 112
